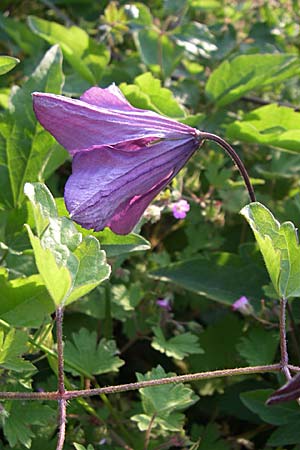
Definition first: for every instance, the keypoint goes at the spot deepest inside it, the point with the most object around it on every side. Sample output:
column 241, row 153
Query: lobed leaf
column 163, row 403
column 177, row 347
column 12, row 347
column 17, row 425
column 91, row 356
column 258, row 346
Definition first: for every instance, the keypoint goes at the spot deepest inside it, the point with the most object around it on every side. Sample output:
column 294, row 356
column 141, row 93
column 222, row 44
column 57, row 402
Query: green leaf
column 218, row 342
column 43, row 204
column 158, row 51
column 113, row 244
column 285, row 435
column 234, row 78
column 147, row 93
column 210, row 438
column 279, row 246
column 196, row 39
column 215, row 277
column 71, row 265
column 129, row 297
column 17, row 424
column 24, row 145
column 7, row 63
column 162, row 405
column 177, row 347
column 90, row 356
column 81, row 447
column 22, row 35
column 12, row 346
column 274, row 125
column 85, row 55
column 116, row 245
column 24, row 301
column 259, row 346
column 276, row 414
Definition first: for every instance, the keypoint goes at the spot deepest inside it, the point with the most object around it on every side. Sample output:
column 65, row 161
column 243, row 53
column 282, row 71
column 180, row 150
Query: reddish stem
column 235, row 157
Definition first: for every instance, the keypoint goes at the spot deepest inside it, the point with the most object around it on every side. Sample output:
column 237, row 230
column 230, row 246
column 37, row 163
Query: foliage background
column 231, row 68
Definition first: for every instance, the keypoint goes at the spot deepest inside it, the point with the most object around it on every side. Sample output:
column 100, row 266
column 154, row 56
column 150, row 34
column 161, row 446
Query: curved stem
column 235, row 157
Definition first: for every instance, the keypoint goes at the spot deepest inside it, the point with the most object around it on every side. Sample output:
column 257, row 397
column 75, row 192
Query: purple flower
column 180, row 208
column 122, row 156
column 164, row 303
column 243, row 306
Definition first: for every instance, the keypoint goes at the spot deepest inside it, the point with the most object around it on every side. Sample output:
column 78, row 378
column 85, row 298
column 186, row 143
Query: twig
column 235, row 157
column 284, row 360
column 148, row 432
column 261, row 101
column 143, row 384
column 59, row 13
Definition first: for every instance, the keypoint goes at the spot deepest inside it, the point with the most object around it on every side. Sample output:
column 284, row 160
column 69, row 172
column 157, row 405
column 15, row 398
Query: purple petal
column 113, row 186
column 102, row 117
column 290, row 391
column 111, row 98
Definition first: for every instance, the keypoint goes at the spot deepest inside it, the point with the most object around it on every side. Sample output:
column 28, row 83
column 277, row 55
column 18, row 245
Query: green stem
column 108, row 329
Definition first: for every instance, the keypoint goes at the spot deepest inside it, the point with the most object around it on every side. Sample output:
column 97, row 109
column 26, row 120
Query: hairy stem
column 235, row 157
column 62, row 403
column 284, row 360
column 148, row 432
column 69, row 395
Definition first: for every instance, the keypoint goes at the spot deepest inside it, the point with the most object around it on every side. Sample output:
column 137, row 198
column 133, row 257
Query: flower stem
column 235, row 157
column 62, row 403
column 284, row 360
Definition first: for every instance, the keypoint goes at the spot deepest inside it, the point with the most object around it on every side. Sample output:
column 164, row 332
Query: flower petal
column 102, row 117
column 110, row 97
column 112, row 187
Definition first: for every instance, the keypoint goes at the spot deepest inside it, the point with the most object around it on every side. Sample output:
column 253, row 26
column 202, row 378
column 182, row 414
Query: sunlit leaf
column 274, row 125
column 234, row 78
column 279, row 246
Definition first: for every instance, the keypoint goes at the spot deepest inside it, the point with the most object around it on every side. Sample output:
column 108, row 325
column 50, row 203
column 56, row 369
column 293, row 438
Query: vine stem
column 69, row 395
column 235, row 157
column 284, row 360
column 62, row 403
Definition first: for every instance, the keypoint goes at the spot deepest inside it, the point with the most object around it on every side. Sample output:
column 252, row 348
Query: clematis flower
column 122, row 156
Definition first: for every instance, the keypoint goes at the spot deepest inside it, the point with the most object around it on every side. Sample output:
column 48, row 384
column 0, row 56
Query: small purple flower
column 180, row 208
column 122, row 156
column 243, row 306
column 164, row 303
